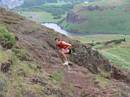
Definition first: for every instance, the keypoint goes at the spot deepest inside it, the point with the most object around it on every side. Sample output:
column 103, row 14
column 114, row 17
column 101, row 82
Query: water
column 57, row 28
column 86, row 2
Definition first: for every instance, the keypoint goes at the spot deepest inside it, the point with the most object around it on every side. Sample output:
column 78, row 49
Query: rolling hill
column 99, row 17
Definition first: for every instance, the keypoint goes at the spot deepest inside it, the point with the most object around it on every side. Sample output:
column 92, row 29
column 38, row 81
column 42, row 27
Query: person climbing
column 63, row 48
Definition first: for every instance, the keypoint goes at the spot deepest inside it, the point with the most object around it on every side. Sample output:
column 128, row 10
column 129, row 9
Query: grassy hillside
column 101, row 16
column 100, row 37
column 32, row 67
column 117, row 53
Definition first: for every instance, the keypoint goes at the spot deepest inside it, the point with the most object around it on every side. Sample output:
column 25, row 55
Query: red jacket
column 63, row 45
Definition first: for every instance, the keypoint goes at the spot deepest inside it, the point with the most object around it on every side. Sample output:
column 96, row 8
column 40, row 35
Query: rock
column 91, row 59
column 118, row 74
column 39, row 80
column 6, row 66
column 75, row 18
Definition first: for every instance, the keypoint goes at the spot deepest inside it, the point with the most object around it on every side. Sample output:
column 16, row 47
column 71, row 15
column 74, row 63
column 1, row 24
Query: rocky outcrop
column 5, row 67
column 74, row 18
column 91, row 59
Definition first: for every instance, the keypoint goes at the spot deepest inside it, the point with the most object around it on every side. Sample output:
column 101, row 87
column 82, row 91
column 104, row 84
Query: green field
column 101, row 37
column 117, row 54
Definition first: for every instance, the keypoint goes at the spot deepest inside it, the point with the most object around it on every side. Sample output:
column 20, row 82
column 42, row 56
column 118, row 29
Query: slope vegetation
column 32, row 67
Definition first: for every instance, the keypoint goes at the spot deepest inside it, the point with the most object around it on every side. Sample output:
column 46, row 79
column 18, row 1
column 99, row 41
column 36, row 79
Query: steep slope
column 101, row 16
column 32, row 67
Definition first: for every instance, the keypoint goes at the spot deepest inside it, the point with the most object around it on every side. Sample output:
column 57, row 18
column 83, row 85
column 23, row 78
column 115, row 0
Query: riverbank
column 59, row 29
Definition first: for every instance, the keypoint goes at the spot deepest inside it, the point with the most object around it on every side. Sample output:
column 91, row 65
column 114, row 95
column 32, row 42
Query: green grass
column 57, row 77
column 6, row 37
column 4, row 56
column 18, row 81
column 100, row 37
column 118, row 56
column 103, row 82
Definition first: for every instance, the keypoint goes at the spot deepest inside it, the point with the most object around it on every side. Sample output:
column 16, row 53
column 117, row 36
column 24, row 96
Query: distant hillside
column 30, row 3
column 101, row 16
column 47, row 10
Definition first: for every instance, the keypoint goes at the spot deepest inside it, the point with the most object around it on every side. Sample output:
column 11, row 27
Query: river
column 57, row 28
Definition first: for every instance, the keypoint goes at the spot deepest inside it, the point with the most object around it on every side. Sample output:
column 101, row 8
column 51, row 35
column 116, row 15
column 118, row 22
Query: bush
column 22, row 54
column 7, row 39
